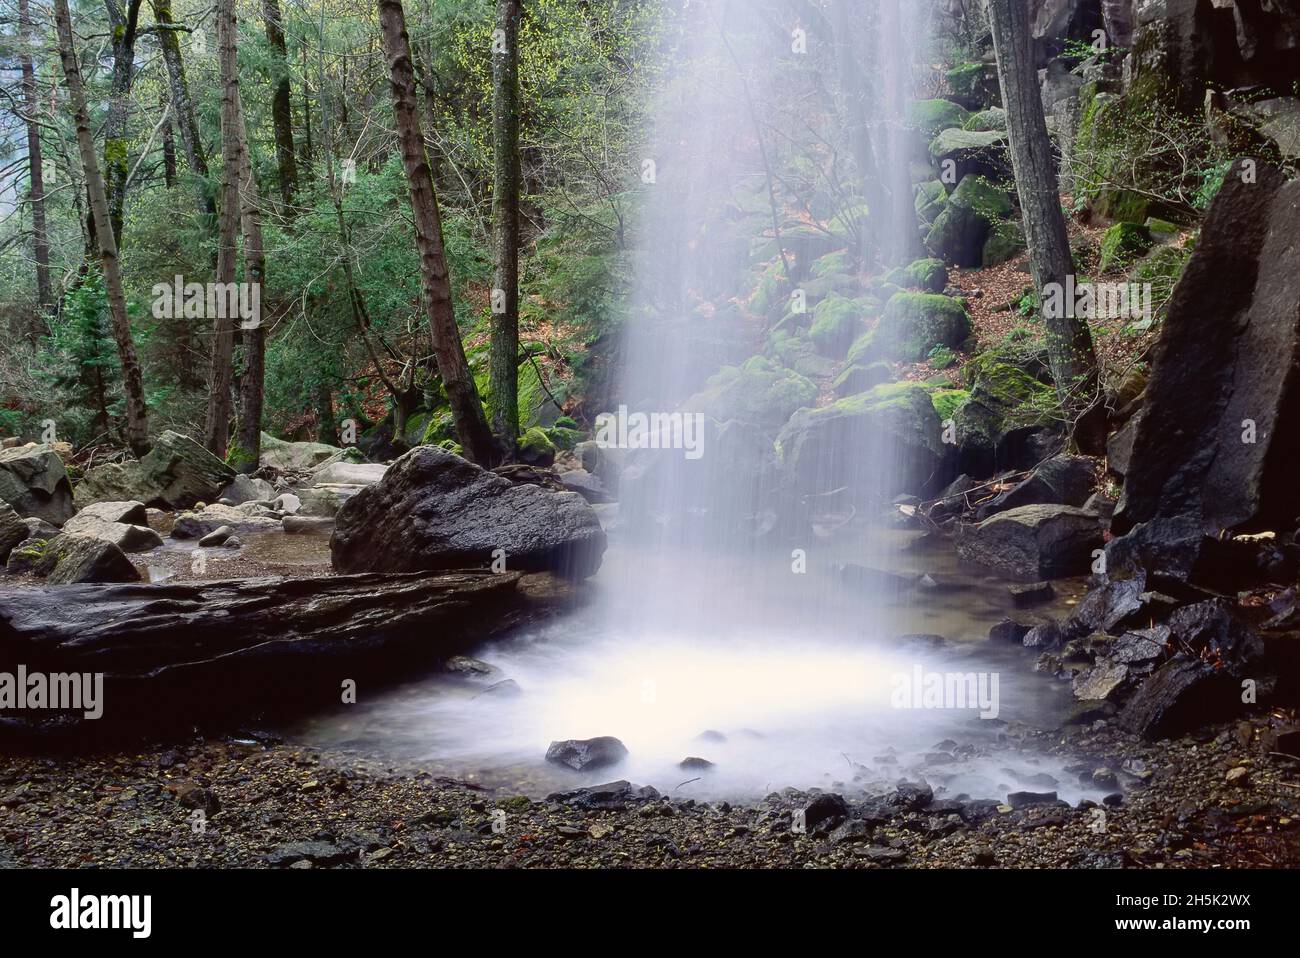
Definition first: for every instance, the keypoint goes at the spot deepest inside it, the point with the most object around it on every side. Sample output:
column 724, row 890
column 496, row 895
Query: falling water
column 725, row 627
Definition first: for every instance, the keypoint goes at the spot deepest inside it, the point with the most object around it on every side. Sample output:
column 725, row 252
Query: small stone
column 1237, row 776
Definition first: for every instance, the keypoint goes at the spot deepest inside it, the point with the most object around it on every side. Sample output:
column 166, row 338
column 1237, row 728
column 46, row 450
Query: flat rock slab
column 195, row 649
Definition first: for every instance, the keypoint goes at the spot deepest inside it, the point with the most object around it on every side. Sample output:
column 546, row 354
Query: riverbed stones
column 34, row 483
column 12, row 530
column 1033, row 542
column 127, row 536
column 435, row 510
column 296, row 456
column 587, row 754
column 197, row 524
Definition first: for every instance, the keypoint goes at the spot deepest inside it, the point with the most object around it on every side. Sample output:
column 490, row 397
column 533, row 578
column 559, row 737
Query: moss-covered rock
column 759, row 391
column 1005, row 242
column 1123, row 244
column 969, row 216
column 993, row 119
column 914, row 323
column 932, row 117
column 1003, row 397
column 836, row 323
column 928, row 275
column 860, row 377
column 969, row 83
column 931, row 196
column 876, row 444
column 978, row 152
column 947, row 401
column 798, row 353
column 536, row 448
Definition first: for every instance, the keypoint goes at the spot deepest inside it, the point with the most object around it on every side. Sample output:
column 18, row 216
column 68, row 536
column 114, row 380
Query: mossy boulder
column 914, row 323
column 1004, row 398
column 979, row 152
column 836, row 323
column 876, row 444
column 1123, row 244
column 759, row 391
column 991, row 120
column 1005, row 242
column 798, row 353
column 947, row 401
column 860, row 377
column 536, row 448
column 972, row 211
column 972, row 84
column 931, row 197
column 928, row 275
column 932, row 117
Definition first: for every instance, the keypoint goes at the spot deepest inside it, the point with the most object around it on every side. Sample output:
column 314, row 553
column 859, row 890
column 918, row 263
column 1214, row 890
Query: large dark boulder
column 84, row 559
column 34, row 482
column 1225, row 372
column 1061, row 480
column 435, row 510
column 1033, row 542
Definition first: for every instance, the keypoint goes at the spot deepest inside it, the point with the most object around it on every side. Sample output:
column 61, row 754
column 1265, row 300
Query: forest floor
column 259, row 802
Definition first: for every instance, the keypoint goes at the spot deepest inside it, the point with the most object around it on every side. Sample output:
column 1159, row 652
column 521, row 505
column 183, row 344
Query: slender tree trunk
column 192, row 145
column 281, row 109
column 137, row 424
column 306, row 114
column 169, row 152
column 326, row 429
column 503, row 399
column 36, row 194
column 216, row 432
column 252, row 383
column 471, row 424
column 1069, row 342
column 122, row 27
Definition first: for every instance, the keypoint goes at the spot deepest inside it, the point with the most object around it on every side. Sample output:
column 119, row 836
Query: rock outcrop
column 175, row 474
column 34, row 482
column 435, row 510
column 1217, row 439
column 1033, row 542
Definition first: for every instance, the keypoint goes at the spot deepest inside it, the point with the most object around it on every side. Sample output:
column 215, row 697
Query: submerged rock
column 435, row 510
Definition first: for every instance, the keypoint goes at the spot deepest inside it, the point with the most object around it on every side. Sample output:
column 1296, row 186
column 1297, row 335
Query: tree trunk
column 192, row 145
column 504, row 353
column 281, row 109
column 854, row 102
column 36, row 194
column 1069, row 342
column 122, row 28
column 471, row 424
column 216, row 432
column 169, row 152
column 326, row 429
column 251, row 384
column 137, row 424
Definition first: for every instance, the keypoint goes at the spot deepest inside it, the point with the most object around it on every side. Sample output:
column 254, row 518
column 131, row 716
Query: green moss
column 536, row 445
column 986, row 121
column 946, row 401
column 1123, row 244
column 564, row 438
column 929, row 275
column 931, row 117
column 835, row 322
column 758, row 391
column 941, row 357
column 914, row 323
column 861, row 377
column 966, row 80
column 832, row 263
